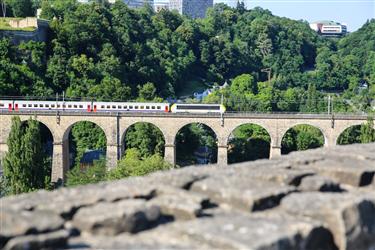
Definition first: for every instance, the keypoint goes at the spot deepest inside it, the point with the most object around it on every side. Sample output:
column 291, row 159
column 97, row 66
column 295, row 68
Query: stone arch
column 343, row 129
column 178, row 128
column 66, row 144
column 254, row 124
column 70, row 125
column 325, row 137
column 45, row 124
column 124, row 132
column 325, row 140
column 206, row 126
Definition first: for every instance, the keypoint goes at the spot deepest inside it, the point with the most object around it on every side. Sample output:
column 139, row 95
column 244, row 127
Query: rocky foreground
column 318, row 199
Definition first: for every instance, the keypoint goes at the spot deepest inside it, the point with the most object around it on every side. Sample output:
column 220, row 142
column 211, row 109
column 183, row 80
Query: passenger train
column 91, row 106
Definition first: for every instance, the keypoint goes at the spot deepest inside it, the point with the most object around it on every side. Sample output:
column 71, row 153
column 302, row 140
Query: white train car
column 52, row 106
column 197, row 108
column 6, row 105
column 130, row 107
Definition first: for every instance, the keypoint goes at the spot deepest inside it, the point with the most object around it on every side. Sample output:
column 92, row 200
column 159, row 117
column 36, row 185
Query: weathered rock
column 179, row 203
column 319, row 183
column 243, row 193
column 114, row 218
column 143, row 240
column 180, row 178
column 345, row 170
column 350, row 217
column 281, row 173
column 241, row 231
column 53, row 240
column 267, row 204
column 17, row 223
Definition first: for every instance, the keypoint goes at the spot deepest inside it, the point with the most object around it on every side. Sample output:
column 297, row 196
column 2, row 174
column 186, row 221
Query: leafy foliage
column 145, row 137
column 364, row 133
column 132, row 164
column 248, row 142
column 301, row 137
column 86, row 136
column 26, row 166
column 192, row 137
column 92, row 174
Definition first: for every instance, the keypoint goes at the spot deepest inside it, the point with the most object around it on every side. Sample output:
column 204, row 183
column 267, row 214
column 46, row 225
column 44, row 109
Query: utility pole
column 268, row 71
column 329, row 104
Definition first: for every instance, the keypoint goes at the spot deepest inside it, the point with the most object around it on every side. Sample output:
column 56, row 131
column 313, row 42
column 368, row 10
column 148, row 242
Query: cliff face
column 318, row 199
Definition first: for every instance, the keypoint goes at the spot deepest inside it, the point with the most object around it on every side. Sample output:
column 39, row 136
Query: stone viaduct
column 115, row 126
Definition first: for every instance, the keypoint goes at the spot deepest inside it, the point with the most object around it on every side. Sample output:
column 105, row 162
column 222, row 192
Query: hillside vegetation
column 107, row 51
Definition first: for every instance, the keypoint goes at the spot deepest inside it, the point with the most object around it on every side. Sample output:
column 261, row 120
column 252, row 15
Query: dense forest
column 107, row 51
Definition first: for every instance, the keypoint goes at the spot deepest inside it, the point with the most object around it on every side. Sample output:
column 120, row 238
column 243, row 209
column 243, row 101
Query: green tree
column 248, row 142
column 86, row 136
column 243, row 84
column 22, row 8
column 34, row 157
column 146, row 138
column 147, row 92
column 92, row 174
column 132, row 164
column 25, row 164
column 15, row 172
column 368, row 131
column 190, row 138
column 301, row 137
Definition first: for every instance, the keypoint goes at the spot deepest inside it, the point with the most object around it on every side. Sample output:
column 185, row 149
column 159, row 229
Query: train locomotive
column 100, row 107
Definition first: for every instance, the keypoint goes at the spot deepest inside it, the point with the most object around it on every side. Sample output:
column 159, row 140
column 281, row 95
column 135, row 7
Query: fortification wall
column 40, row 34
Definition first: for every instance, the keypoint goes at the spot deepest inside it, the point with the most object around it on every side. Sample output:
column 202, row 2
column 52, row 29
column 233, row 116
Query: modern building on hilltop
column 161, row 4
column 192, row 8
column 329, row 28
column 138, row 3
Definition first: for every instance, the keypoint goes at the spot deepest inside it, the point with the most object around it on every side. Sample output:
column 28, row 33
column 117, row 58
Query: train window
column 75, row 106
column 24, row 105
column 152, row 107
column 130, row 107
column 147, row 107
column 58, row 105
column 80, row 106
column 135, row 107
column 47, row 105
column 40, row 105
column 102, row 107
column 159, row 107
column 108, row 107
column 64, row 106
column 1, row 104
column 69, row 106
column 35, row 105
column 29, row 105
column 119, row 107
column 125, row 107
column 142, row 107
column 113, row 106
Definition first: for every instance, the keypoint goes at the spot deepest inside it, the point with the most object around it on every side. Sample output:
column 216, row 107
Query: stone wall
column 24, row 23
column 317, row 199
